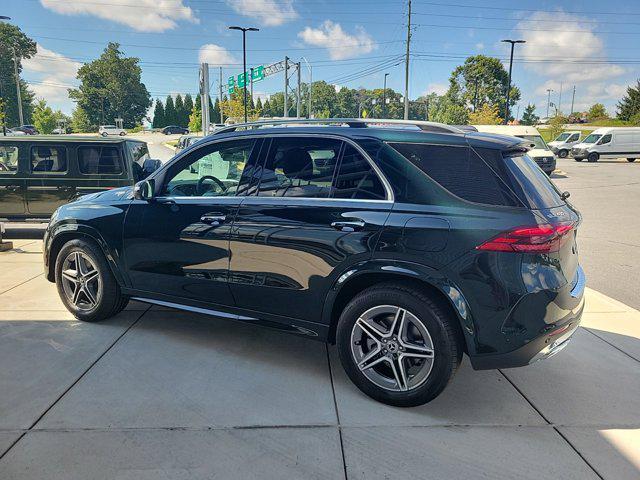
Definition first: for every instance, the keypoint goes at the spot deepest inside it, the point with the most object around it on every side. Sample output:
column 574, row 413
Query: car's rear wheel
column 578, row 159
column 563, row 153
column 85, row 282
column 397, row 345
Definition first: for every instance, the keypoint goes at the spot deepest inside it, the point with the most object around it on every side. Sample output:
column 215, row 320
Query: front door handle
column 13, row 188
column 213, row 218
column 66, row 189
column 350, row 226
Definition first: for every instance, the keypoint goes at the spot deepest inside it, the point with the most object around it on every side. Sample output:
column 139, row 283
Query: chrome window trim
column 390, row 198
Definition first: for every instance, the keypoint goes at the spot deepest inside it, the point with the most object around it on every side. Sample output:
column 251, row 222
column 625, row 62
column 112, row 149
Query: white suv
column 105, row 130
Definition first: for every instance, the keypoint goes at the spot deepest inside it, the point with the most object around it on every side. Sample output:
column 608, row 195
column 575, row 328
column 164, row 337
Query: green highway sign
column 242, row 79
column 257, row 73
column 231, row 83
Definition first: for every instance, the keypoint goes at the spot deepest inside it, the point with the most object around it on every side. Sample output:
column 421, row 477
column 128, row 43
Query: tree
column 12, row 40
column 195, row 119
column 485, row 115
column 170, row 117
column 447, row 109
column 629, row 105
column 556, row 125
column 181, row 115
column 529, row 116
column 482, row 80
column 259, row 105
column 111, row 87
column 188, row 108
column 158, row 115
column 215, row 113
column 597, row 112
column 43, row 117
column 266, row 109
column 80, row 122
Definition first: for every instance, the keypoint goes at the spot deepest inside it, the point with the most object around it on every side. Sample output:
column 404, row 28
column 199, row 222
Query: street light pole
column 244, row 61
column 506, row 108
column 384, row 97
column 549, row 90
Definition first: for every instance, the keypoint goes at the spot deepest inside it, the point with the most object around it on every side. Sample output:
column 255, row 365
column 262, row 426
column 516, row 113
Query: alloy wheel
column 392, row 348
column 81, row 281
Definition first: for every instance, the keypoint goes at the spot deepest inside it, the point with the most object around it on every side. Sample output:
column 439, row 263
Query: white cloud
column 437, row 88
column 56, row 74
column 479, row 46
column 340, row 44
column 569, row 44
column 142, row 15
column 216, row 55
column 270, row 13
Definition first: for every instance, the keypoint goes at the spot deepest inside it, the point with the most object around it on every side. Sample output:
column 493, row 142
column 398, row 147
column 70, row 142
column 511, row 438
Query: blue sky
column 587, row 43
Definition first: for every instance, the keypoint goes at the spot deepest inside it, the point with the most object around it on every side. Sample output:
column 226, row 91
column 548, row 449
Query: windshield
column 537, row 141
column 562, row 137
column 593, row 138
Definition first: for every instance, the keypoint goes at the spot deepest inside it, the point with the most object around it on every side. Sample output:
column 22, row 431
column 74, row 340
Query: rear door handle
column 213, row 218
column 66, row 189
column 350, row 226
column 13, row 188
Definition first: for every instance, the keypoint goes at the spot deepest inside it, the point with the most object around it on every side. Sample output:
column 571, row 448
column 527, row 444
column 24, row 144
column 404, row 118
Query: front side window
column 99, row 160
column 211, row 171
column 299, row 167
column 562, row 137
column 8, row 159
column 47, row 159
column 356, row 178
column 593, row 138
column 605, row 139
column 574, row 138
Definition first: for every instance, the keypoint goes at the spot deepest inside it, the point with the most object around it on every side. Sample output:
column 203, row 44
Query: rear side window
column 459, row 172
column 99, row 160
column 8, row 159
column 356, row 178
column 529, row 183
column 48, row 159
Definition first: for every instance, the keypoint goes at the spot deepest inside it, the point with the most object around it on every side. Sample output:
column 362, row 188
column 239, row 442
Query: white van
column 540, row 152
column 610, row 142
column 564, row 142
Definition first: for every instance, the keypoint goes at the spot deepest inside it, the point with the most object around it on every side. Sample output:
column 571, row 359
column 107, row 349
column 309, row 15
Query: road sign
column 242, row 79
column 231, row 83
column 257, row 73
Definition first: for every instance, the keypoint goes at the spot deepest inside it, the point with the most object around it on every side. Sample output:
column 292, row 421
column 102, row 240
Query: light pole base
column 4, row 246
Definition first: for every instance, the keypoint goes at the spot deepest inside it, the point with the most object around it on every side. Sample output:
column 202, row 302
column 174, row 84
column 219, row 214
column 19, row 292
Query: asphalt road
column 607, row 194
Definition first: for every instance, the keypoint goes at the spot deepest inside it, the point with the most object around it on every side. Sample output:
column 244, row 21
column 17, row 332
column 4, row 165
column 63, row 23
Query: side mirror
column 150, row 165
column 144, row 190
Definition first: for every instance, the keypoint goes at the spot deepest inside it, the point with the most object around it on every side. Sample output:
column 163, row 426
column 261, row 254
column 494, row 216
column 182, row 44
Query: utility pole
column 426, row 108
column 560, row 99
column 506, row 107
column 204, row 97
column 384, row 97
column 220, row 98
column 251, row 84
column 310, row 89
column 406, row 66
column 18, row 95
column 298, row 95
column 286, row 87
column 549, row 90
column 573, row 97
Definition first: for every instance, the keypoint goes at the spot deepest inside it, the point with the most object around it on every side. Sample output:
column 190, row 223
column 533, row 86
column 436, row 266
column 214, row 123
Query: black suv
column 40, row 173
column 406, row 247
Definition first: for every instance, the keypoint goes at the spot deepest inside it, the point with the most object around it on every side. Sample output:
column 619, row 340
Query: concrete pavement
column 155, row 393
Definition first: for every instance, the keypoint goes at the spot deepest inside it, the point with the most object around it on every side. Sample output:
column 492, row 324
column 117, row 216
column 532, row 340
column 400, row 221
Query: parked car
column 38, row 173
column 610, row 142
column 539, row 153
column 12, row 133
column 187, row 140
column 407, row 248
column 172, row 129
column 564, row 142
column 106, row 130
column 27, row 129
column 60, row 131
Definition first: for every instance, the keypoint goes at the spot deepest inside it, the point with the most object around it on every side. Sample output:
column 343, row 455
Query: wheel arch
column 429, row 281
column 64, row 234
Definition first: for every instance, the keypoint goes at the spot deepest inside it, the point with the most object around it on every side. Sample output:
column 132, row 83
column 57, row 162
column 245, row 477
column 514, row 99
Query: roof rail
column 351, row 122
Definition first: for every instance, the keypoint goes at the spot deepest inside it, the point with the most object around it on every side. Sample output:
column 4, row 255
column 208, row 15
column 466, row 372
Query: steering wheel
column 200, row 186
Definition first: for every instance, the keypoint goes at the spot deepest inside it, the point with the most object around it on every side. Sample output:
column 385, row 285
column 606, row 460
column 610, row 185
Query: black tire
column 122, row 134
column 563, row 153
column 578, row 159
column 104, row 134
column 593, row 157
column 108, row 297
column 631, row 160
column 447, row 345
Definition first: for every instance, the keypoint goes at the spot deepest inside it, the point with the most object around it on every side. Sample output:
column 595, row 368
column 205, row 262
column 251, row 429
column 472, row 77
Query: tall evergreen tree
column 259, row 107
column 529, row 116
column 629, row 105
column 181, row 114
column 266, row 109
column 158, row 115
column 170, row 117
column 188, row 108
column 215, row 113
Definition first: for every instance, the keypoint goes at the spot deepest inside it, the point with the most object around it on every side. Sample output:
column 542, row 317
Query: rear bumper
column 552, row 339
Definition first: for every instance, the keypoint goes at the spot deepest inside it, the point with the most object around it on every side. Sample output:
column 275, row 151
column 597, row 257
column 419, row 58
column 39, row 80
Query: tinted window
column 99, row 160
column 8, row 159
column 299, row 167
column 523, row 176
column 605, row 139
column 459, row 172
column 356, row 178
column 574, row 138
column 211, row 171
column 47, row 159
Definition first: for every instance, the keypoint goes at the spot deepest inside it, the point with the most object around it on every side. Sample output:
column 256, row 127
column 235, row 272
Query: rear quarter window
column 99, row 160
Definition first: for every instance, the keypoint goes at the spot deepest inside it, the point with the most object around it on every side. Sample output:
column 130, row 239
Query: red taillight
column 534, row 239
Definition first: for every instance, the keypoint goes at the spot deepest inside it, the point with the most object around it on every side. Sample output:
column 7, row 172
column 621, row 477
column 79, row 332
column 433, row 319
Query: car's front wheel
column 563, row 153
column 85, row 282
column 397, row 345
column 593, row 157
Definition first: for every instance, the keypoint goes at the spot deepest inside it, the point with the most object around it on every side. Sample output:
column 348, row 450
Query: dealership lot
column 155, row 393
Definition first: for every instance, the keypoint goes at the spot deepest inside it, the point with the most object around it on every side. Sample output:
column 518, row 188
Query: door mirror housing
column 150, row 165
column 145, row 190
